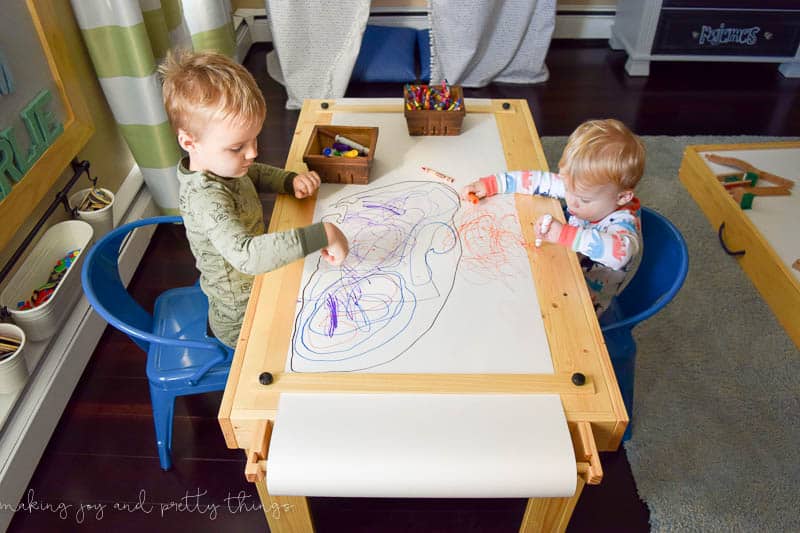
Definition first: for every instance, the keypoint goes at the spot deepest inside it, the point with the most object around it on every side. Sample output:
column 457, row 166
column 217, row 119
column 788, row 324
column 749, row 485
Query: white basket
column 102, row 220
column 42, row 322
column 13, row 370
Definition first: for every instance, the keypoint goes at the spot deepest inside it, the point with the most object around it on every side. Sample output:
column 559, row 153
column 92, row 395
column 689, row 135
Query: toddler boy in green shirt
column 217, row 111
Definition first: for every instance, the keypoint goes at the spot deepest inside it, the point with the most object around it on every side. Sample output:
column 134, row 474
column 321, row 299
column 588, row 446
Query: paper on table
column 412, row 297
column 422, row 446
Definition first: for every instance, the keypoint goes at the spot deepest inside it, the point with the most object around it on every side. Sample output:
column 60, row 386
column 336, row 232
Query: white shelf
column 56, row 365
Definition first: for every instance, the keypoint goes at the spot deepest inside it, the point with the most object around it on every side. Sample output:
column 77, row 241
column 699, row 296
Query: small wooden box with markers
column 433, row 109
column 341, row 154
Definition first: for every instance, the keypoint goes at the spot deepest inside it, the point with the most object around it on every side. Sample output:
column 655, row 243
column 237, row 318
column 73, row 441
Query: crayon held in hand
column 473, row 198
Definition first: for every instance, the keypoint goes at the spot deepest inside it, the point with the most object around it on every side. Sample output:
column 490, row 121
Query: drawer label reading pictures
column 723, row 35
column 715, row 32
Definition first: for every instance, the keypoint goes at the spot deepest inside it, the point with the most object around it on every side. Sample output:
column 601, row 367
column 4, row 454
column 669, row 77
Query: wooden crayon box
column 435, row 122
column 339, row 169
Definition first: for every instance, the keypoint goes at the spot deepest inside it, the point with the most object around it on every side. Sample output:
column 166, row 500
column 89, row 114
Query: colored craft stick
column 438, row 174
column 748, row 168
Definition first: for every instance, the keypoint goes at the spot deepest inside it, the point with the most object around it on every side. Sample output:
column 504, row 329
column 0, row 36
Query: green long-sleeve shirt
column 225, row 228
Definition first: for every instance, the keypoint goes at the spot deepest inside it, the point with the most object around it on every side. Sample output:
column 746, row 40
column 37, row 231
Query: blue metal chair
column 181, row 358
column 660, row 276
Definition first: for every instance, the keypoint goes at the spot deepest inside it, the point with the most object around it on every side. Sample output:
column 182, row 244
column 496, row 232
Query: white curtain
column 316, row 45
column 477, row 43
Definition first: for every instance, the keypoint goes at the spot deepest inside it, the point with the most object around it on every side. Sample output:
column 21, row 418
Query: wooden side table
column 711, row 30
column 764, row 237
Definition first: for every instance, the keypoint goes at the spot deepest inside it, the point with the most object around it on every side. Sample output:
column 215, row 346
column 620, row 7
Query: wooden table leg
column 550, row 514
column 553, row 514
column 285, row 514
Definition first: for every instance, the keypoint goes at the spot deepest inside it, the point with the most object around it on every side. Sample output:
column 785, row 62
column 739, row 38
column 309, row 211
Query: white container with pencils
column 13, row 369
column 95, row 206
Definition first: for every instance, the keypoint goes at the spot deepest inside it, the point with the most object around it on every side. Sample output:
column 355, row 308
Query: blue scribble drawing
column 404, row 255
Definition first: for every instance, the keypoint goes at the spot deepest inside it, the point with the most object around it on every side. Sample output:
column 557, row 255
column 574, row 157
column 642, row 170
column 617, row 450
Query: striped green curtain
column 126, row 39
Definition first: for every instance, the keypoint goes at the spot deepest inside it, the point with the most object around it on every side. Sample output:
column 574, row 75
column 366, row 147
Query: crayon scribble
column 494, row 248
column 404, row 255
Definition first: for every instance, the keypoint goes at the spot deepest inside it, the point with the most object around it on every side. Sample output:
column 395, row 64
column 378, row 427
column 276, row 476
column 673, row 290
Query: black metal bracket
column 62, row 197
column 737, row 253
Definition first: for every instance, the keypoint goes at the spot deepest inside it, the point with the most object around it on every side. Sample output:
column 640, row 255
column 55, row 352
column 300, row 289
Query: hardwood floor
column 103, row 455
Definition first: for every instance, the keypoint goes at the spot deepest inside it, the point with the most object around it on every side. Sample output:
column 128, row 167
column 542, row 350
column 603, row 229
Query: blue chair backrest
column 664, row 265
column 104, row 288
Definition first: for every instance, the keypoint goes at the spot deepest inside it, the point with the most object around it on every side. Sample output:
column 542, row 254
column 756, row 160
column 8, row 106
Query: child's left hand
column 305, row 184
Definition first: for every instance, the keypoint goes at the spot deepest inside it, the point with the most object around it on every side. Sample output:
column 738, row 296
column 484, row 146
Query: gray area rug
column 717, row 401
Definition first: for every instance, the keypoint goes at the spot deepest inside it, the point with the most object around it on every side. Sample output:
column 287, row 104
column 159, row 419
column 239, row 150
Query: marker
column 344, row 140
column 438, row 174
column 546, row 221
column 473, row 197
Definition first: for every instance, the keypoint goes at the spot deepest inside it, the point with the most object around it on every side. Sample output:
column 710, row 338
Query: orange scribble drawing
column 493, row 246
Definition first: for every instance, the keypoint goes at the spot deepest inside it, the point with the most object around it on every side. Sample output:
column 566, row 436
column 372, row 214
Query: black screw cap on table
column 265, row 378
column 578, row 379
column 506, row 105
column 324, row 105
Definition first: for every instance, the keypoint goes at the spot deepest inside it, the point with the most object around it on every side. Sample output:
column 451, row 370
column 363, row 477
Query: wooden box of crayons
column 426, row 118
column 327, row 153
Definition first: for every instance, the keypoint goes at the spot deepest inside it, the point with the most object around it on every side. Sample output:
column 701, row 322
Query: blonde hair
column 200, row 87
column 603, row 151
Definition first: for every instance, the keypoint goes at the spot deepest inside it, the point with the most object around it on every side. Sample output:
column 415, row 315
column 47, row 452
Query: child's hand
column 337, row 248
column 305, row 184
column 476, row 187
column 552, row 233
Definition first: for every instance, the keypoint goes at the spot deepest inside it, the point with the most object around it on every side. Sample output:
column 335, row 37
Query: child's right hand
column 337, row 249
column 476, row 187
column 553, row 228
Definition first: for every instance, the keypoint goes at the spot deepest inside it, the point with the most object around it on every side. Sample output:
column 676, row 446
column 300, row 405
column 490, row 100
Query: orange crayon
column 438, row 174
column 473, row 197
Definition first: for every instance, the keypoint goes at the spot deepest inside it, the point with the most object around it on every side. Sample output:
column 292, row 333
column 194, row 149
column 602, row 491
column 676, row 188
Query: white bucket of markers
column 101, row 220
column 13, row 369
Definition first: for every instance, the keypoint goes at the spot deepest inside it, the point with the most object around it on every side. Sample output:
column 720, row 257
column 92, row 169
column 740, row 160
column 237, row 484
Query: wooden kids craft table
column 583, row 378
column 763, row 238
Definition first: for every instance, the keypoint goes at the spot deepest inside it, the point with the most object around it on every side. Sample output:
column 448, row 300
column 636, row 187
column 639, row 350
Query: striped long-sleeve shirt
column 609, row 249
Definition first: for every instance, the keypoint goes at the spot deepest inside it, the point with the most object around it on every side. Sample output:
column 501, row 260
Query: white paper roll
column 422, row 446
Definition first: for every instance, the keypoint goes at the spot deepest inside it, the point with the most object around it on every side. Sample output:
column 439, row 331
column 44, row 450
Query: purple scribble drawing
column 404, row 255
column 334, row 317
column 389, row 208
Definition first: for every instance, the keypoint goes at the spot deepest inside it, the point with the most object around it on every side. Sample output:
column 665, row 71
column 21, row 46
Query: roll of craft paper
column 421, row 445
